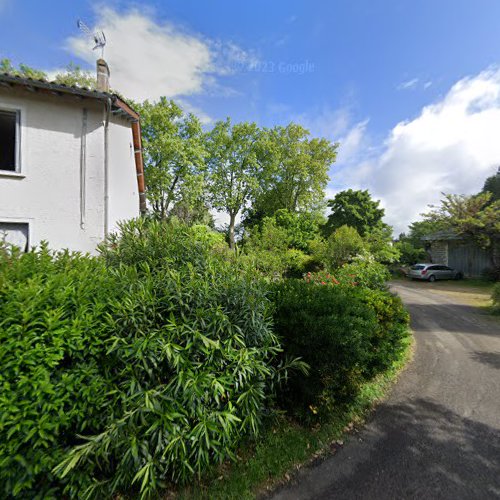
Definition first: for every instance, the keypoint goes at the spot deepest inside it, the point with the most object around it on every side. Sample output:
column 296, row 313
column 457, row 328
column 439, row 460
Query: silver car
column 433, row 272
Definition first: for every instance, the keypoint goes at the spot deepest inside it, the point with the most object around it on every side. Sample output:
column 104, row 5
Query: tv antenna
column 98, row 36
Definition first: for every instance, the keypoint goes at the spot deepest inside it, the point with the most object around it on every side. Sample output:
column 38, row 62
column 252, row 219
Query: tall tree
column 355, row 209
column 492, row 185
column 239, row 162
column 300, row 175
column 174, row 156
column 475, row 216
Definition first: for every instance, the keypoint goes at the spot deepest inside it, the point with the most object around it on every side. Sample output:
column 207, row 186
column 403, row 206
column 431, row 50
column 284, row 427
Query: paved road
column 438, row 434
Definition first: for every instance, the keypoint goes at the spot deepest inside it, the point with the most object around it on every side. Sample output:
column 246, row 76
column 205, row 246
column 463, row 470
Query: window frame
column 19, row 222
column 20, row 112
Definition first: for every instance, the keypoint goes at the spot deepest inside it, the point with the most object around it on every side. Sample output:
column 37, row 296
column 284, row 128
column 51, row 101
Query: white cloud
column 352, row 142
column 452, row 146
column 149, row 59
column 328, row 123
column 410, row 84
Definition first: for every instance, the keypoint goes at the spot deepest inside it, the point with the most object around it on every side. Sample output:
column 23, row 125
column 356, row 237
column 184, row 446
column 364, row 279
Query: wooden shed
column 458, row 252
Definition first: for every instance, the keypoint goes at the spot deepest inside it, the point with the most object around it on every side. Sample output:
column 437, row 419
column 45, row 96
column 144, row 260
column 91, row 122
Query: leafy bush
column 301, row 227
column 160, row 351
column 379, row 244
column 52, row 342
column 495, row 296
column 268, row 251
column 341, row 247
column 410, row 254
column 346, row 334
column 364, row 272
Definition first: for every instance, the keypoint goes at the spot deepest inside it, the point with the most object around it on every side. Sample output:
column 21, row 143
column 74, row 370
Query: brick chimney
column 102, row 76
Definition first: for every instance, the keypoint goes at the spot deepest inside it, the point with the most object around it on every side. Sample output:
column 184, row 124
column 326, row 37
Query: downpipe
column 106, row 167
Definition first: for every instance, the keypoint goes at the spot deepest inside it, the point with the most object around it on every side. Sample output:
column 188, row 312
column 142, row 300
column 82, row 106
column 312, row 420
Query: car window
column 433, row 268
column 417, row 267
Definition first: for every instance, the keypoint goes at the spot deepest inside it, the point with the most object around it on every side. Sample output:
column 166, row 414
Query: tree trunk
column 232, row 223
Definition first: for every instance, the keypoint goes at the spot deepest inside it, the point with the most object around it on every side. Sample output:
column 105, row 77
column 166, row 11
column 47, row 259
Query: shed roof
column 442, row 235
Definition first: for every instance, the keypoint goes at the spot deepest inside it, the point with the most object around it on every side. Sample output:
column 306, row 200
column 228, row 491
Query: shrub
column 268, row 251
column 346, row 334
column 52, row 341
column 410, row 254
column 341, row 247
column 495, row 296
column 301, row 227
column 379, row 243
column 160, row 352
column 364, row 272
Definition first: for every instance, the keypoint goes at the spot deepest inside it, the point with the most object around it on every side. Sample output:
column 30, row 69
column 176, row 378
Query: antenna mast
column 97, row 37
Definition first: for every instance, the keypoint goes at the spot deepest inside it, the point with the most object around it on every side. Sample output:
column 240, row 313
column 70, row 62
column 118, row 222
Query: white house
column 70, row 162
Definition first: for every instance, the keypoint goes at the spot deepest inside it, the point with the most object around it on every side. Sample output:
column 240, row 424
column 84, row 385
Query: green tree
column 301, row 227
column 174, row 157
column 355, row 209
column 339, row 248
column 410, row 254
column 419, row 229
column 239, row 166
column 300, row 175
column 492, row 185
column 475, row 216
column 379, row 243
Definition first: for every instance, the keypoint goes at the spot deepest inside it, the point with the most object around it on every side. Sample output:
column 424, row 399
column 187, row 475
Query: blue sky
column 411, row 89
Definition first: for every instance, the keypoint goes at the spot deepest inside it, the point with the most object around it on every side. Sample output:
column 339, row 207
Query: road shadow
column 452, row 318
column 421, row 450
column 488, row 358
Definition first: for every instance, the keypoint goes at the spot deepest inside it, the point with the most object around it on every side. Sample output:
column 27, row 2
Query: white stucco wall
column 46, row 193
column 123, row 190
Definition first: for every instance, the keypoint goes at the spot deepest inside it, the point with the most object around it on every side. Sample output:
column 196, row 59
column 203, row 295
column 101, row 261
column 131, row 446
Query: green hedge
column 131, row 369
column 347, row 334
column 495, row 296
column 364, row 273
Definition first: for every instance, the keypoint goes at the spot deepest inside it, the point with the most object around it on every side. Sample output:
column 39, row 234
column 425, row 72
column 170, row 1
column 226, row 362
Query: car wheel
column 459, row 276
column 432, row 278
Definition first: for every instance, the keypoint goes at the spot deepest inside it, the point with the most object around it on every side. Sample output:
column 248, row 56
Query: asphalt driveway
column 438, row 434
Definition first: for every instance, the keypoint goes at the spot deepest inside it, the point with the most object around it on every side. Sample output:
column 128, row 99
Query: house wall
column 439, row 252
column 47, row 193
column 123, row 190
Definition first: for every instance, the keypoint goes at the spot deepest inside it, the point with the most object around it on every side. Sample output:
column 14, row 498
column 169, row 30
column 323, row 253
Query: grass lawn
column 287, row 446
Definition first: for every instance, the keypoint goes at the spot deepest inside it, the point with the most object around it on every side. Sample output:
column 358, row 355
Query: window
column 15, row 233
column 9, row 140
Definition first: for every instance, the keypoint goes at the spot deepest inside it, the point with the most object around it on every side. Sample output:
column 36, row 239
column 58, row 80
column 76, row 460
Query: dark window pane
column 8, row 126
